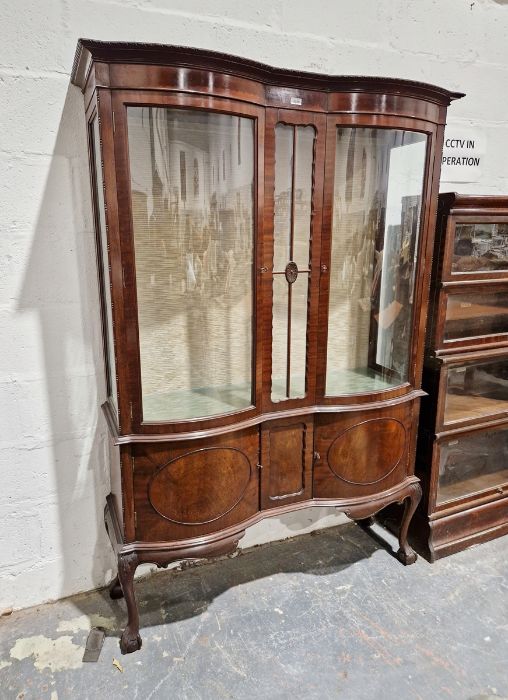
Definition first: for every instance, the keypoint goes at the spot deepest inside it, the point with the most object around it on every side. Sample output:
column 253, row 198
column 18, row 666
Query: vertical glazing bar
column 288, row 369
column 291, row 254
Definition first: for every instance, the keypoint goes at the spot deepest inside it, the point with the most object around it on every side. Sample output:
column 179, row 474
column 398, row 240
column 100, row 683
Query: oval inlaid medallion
column 200, row 486
column 291, row 272
column 368, row 452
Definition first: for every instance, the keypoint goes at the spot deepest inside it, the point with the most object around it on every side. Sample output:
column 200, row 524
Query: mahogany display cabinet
column 462, row 456
column 264, row 241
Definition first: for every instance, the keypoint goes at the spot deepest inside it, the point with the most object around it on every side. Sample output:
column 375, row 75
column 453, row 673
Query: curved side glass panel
column 375, row 228
column 103, row 264
column 192, row 183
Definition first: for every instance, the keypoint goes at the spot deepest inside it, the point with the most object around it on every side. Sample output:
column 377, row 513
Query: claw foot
column 129, row 642
column 407, row 556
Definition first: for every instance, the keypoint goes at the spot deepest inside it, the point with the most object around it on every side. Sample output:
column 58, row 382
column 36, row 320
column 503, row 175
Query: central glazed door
column 294, row 167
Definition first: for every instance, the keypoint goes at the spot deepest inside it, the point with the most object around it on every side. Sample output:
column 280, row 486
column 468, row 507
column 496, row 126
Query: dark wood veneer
column 186, row 489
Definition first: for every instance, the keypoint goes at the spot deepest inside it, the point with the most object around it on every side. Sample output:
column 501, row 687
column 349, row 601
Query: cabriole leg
column 130, row 640
column 406, row 554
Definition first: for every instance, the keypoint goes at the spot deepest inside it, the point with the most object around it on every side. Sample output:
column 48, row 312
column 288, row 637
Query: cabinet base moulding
column 453, row 533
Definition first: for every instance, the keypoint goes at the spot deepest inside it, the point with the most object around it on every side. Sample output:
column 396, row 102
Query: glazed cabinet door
column 294, row 164
column 188, row 171
column 373, row 214
column 476, row 248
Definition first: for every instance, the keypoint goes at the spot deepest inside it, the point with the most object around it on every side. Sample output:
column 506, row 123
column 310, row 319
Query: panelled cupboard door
column 192, row 488
column 294, row 169
column 286, row 461
column 362, row 453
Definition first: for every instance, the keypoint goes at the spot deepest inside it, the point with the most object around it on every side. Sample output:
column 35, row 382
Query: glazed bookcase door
column 477, row 248
column 294, row 165
column 470, row 464
column 471, row 316
column 191, row 185
column 474, row 391
column 376, row 215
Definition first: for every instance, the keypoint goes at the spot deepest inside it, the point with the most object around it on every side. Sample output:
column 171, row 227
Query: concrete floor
column 329, row 615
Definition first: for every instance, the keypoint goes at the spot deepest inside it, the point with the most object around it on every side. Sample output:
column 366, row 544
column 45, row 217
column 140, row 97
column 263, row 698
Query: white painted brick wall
column 53, row 441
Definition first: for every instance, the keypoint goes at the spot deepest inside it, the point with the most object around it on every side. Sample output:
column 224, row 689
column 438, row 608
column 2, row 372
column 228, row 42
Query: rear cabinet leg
column 115, row 589
column 365, row 523
column 406, row 554
column 130, row 640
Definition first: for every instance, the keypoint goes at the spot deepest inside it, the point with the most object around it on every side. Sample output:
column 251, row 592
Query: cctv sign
column 463, row 155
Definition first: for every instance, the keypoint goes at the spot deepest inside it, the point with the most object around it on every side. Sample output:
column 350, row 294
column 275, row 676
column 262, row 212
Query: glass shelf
column 359, row 381
column 197, row 402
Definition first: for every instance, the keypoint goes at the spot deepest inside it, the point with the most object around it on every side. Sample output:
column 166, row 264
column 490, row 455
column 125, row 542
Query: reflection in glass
column 472, row 315
column 102, row 249
column 472, row 464
column 294, row 154
column 283, row 199
column 480, row 248
column 192, row 210
column 476, row 390
column 376, row 221
column 279, row 337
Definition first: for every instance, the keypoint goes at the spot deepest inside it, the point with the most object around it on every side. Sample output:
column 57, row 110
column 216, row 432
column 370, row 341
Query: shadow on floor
column 329, row 615
column 175, row 595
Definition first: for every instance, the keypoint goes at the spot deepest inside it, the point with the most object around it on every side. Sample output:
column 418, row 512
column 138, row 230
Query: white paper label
column 463, row 154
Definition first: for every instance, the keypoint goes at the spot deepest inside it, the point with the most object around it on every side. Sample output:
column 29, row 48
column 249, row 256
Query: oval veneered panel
column 368, row 452
column 200, row 486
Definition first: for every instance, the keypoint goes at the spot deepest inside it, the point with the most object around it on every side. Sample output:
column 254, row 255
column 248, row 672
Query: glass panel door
column 192, row 184
column 472, row 463
column 476, row 314
column 377, row 200
column 294, row 159
column 476, row 389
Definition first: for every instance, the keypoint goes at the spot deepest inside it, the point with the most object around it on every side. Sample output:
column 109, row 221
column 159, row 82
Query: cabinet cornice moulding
column 89, row 50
